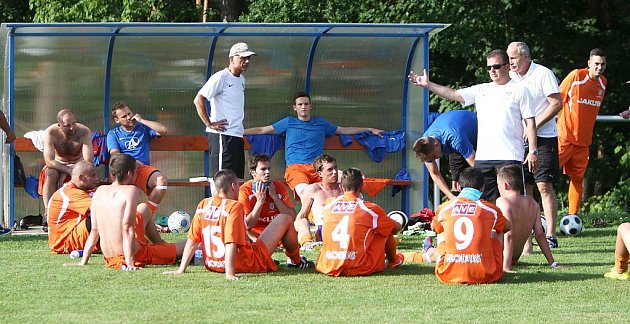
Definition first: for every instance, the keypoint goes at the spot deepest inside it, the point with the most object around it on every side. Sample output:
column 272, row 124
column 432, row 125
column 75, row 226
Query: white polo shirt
column 227, row 101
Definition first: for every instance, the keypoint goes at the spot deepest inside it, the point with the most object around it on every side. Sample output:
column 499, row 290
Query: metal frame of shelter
column 416, row 57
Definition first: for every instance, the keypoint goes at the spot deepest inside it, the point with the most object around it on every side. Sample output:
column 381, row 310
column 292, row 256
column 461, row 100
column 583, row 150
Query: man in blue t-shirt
column 304, row 141
column 453, row 133
column 133, row 137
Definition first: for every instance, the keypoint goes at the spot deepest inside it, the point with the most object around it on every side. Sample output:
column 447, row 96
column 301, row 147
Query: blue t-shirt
column 304, row 139
column 135, row 143
column 456, row 130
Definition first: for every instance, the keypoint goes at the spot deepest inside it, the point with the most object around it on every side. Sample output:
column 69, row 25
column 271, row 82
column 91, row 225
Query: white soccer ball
column 571, row 225
column 399, row 217
column 543, row 221
column 179, row 222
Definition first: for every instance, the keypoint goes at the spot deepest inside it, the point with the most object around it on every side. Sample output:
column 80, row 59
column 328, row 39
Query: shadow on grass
column 546, row 276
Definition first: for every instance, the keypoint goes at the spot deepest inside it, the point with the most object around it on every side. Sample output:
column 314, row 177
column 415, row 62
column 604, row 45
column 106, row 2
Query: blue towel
column 345, row 140
column 266, row 144
column 377, row 147
column 30, row 186
column 401, row 175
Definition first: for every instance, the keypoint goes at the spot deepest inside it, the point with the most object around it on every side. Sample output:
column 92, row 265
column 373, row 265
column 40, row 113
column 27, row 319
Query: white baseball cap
column 240, row 49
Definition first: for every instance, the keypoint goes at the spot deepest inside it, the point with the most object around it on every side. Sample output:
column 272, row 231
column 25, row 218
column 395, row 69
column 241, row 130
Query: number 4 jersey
column 470, row 241
column 354, row 235
column 220, row 221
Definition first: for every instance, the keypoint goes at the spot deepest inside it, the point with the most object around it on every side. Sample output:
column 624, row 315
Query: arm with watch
column 530, row 135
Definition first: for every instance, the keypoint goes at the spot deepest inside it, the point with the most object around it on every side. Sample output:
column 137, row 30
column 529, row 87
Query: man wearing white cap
column 226, row 92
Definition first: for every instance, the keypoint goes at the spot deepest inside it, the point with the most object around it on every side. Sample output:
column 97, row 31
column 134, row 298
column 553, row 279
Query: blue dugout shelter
column 355, row 73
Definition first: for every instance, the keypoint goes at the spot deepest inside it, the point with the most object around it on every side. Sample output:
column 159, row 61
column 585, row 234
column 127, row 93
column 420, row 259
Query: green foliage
column 115, row 11
column 33, row 276
column 15, row 11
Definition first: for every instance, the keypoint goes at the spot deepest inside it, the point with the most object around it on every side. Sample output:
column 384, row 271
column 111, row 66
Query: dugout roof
column 355, row 73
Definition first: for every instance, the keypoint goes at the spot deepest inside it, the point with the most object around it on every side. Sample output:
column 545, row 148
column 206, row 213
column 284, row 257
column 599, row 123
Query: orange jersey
column 354, row 235
column 470, row 241
column 581, row 99
column 219, row 221
column 67, row 212
column 269, row 210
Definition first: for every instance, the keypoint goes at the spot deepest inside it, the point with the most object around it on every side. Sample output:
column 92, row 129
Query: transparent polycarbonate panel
column 171, row 29
column 378, row 29
column 54, row 72
column 269, row 30
column 56, row 29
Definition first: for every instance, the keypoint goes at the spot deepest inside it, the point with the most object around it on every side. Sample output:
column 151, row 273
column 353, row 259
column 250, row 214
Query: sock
column 575, row 194
column 294, row 255
column 305, row 239
column 152, row 206
column 415, row 257
column 621, row 264
column 390, row 248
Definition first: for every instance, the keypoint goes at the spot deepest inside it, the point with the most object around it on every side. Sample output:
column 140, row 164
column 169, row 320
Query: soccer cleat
column 400, row 259
column 311, row 246
column 613, row 274
column 553, row 242
column 4, row 231
column 304, row 264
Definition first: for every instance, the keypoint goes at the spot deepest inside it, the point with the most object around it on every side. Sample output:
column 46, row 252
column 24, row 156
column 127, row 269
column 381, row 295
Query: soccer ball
column 399, row 217
column 571, row 225
column 543, row 221
column 179, row 222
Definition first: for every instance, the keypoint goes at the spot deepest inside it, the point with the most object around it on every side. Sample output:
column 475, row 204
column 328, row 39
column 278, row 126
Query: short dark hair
column 513, row 175
column 223, row 179
column 118, row 105
column 301, row 94
column 120, row 164
column 597, row 52
column 471, row 178
column 501, row 54
column 352, row 180
column 62, row 113
column 321, row 160
column 253, row 161
column 423, row 147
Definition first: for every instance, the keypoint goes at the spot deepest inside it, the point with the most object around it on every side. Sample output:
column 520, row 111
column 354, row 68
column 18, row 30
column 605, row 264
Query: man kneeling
column 127, row 233
column 219, row 224
column 357, row 234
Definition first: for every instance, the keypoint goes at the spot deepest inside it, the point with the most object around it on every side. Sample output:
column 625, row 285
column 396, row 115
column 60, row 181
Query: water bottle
column 427, row 243
column 76, row 254
column 198, row 260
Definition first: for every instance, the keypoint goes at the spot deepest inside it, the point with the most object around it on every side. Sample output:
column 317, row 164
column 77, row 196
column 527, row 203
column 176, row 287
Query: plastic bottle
column 198, row 259
column 76, row 254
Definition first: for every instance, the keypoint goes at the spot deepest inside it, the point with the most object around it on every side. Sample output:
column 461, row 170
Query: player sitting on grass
column 622, row 245
column 127, row 232
column 523, row 214
column 470, row 235
column 314, row 198
column 219, row 224
column 357, row 234
column 263, row 198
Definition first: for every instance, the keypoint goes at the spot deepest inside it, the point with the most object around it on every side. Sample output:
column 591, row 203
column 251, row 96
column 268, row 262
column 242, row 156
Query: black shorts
column 227, row 152
column 489, row 170
column 548, row 165
column 457, row 163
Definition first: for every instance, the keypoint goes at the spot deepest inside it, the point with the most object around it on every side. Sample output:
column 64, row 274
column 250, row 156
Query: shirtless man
column 314, row 198
column 65, row 143
column 127, row 233
column 524, row 214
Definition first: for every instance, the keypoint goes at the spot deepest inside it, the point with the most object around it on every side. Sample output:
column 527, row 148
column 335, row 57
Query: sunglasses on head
column 495, row 66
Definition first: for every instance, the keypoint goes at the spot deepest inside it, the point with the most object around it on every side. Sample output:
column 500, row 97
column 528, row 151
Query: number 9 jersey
column 470, row 241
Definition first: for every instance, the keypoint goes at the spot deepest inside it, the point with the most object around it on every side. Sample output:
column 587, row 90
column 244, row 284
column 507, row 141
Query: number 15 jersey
column 354, row 235
column 470, row 241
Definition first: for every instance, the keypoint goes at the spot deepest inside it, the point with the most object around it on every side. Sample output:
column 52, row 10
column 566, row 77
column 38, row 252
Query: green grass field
column 37, row 288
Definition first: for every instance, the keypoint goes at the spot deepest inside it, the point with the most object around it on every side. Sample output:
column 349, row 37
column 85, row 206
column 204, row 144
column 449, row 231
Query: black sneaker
column 553, row 242
column 304, row 264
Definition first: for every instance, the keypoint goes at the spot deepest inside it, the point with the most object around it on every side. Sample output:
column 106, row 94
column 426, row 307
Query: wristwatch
column 534, row 152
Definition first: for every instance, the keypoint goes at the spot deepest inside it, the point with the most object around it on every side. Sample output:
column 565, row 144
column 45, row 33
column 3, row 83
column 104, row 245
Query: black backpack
column 19, row 177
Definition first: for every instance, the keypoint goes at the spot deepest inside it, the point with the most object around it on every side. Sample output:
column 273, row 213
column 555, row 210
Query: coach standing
column 226, row 92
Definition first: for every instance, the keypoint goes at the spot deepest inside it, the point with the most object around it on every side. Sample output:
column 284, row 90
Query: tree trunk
column 231, row 9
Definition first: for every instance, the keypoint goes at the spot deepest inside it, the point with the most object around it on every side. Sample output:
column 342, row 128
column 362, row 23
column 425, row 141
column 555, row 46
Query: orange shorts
column 42, row 178
column 573, row 159
column 300, row 173
column 142, row 181
column 75, row 240
column 160, row 253
column 254, row 259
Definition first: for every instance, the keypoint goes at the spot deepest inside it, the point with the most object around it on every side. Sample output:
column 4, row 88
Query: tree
column 15, row 11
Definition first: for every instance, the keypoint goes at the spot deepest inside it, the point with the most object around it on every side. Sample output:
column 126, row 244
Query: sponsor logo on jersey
column 590, row 102
column 463, row 258
column 341, row 255
column 464, row 209
column 212, row 213
column 215, row 264
column 344, row 207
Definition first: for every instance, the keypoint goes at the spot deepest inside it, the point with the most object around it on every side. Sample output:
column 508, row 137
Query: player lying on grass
column 622, row 245
column 219, row 224
column 523, row 212
column 357, row 234
column 127, row 233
